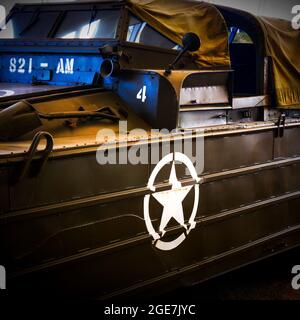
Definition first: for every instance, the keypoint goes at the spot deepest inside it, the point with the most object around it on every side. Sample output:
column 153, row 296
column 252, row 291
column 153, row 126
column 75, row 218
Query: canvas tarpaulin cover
column 283, row 46
column 174, row 18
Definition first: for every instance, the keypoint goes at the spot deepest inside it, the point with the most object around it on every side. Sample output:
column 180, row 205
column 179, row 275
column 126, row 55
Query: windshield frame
column 62, row 9
column 86, row 44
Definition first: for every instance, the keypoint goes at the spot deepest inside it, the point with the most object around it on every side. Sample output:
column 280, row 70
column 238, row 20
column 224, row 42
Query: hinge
column 280, row 126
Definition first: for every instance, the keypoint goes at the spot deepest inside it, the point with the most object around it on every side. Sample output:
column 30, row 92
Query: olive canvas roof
column 282, row 44
column 174, row 18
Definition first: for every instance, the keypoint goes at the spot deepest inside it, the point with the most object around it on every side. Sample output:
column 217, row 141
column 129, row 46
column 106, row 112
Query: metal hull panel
column 89, row 236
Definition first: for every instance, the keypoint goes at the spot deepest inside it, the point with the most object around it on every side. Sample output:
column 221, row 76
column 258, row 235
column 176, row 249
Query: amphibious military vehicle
column 89, row 205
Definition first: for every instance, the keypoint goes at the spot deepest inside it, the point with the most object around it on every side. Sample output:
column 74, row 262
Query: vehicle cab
column 122, row 48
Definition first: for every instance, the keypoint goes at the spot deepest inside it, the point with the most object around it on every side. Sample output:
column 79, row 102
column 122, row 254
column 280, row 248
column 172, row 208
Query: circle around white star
column 171, row 200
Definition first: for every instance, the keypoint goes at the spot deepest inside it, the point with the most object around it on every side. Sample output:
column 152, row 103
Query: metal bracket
column 27, row 168
column 280, row 126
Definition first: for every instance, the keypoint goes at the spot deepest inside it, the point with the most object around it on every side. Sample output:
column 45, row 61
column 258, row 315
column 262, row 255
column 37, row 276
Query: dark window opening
column 243, row 61
column 89, row 25
column 141, row 32
column 29, row 25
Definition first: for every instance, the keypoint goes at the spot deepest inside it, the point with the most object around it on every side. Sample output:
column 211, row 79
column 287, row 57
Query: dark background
column 269, row 279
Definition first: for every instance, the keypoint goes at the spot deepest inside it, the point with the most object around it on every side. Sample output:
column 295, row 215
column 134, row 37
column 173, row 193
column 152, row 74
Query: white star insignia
column 171, row 200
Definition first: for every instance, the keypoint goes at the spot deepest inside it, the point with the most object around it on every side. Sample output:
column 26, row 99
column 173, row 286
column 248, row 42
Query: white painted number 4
column 142, row 94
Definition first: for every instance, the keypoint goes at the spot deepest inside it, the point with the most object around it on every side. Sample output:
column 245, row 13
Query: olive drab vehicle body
column 85, row 83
